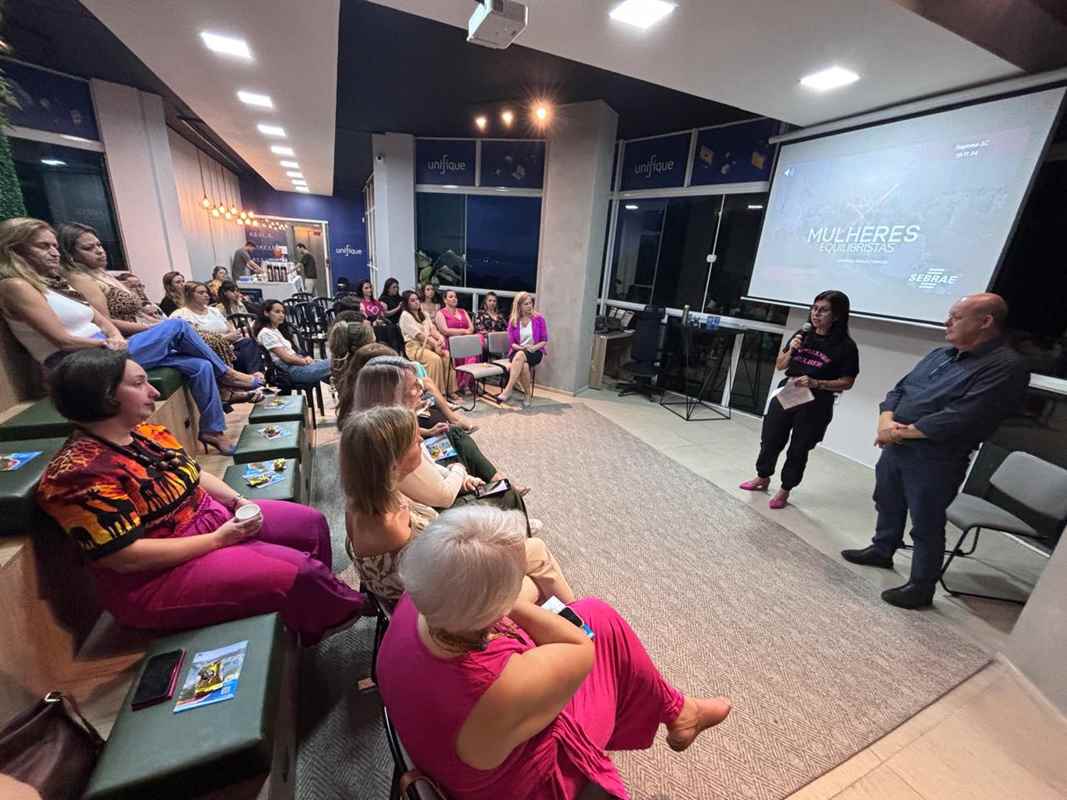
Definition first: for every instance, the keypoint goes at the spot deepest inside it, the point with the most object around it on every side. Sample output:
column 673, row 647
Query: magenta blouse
column 540, row 332
column 372, row 309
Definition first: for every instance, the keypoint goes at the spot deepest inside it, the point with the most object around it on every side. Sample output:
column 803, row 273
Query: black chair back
column 244, row 323
column 645, row 346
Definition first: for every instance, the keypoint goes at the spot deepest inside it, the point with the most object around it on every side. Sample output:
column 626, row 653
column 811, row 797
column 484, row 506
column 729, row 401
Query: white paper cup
column 247, row 512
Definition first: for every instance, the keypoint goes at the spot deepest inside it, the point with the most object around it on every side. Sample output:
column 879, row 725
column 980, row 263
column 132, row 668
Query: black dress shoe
column 910, row 595
column 868, row 557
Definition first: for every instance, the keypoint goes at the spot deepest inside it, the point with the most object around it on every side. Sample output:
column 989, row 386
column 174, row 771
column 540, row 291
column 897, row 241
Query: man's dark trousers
column 920, row 480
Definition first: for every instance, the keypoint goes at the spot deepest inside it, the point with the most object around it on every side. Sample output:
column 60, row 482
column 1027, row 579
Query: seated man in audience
column 379, row 449
column 931, row 422
column 496, row 697
column 166, row 547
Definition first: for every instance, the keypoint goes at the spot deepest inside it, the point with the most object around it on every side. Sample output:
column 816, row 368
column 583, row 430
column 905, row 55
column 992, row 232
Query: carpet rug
column 726, row 601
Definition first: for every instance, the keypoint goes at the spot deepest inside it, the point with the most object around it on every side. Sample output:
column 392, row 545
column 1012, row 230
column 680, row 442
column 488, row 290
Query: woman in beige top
column 379, row 447
column 425, row 344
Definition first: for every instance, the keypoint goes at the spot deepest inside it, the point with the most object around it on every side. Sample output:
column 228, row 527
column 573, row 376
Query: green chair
column 39, row 421
column 288, row 408
column 254, row 446
column 289, row 488
column 18, row 509
column 156, row 753
column 165, row 380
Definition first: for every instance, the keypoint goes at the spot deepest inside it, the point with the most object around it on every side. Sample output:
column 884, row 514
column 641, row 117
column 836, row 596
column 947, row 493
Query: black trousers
column 802, row 427
column 914, row 478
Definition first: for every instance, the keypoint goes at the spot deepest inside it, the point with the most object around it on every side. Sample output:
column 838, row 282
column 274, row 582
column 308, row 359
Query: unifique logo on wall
column 348, row 250
column 443, row 165
column 932, row 279
column 653, row 167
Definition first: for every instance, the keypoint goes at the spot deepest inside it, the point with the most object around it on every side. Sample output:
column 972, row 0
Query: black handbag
column 51, row 747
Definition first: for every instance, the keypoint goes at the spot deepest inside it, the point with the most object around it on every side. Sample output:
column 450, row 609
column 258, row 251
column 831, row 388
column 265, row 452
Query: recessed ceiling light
column 831, row 78
column 281, row 150
column 507, row 117
column 226, row 45
column 299, row 183
column 481, row 122
column 253, row 99
column 290, row 164
column 293, row 174
column 271, row 130
column 755, row 208
column 301, row 189
column 53, row 162
column 631, row 207
column 642, row 13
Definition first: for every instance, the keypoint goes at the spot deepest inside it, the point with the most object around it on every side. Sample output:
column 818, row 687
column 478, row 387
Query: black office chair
column 644, row 365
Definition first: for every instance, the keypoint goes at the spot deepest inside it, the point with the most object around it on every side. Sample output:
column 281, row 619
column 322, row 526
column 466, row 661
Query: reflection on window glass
column 502, row 242
column 439, row 224
column 735, row 254
column 752, row 381
column 687, row 241
column 67, row 184
column 636, row 249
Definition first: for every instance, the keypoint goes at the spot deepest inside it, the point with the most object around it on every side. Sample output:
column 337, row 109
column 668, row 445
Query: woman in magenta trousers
column 493, row 696
column 162, row 538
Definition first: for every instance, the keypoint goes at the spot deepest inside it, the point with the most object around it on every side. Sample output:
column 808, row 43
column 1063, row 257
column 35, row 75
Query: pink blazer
column 540, row 332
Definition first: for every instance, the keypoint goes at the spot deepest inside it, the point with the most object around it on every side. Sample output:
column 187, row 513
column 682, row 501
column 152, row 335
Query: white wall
column 888, row 351
column 134, row 133
column 211, row 242
column 394, row 207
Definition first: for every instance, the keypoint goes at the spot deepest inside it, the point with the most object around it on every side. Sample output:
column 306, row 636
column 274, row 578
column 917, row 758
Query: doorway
column 311, row 236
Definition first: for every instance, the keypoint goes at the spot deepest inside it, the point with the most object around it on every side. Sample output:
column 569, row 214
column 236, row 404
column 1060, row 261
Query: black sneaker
column 911, row 595
column 868, row 557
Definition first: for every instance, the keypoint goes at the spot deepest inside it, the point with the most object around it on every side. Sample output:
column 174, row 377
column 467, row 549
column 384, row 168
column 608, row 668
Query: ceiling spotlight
column 301, row 189
column 641, row 13
column 253, row 99
column 831, row 78
column 226, row 45
column 482, row 122
column 53, row 162
column 290, row 164
column 281, row 150
column 632, row 207
column 293, row 174
column 507, row 117
column 271, row 130
column 541, row 113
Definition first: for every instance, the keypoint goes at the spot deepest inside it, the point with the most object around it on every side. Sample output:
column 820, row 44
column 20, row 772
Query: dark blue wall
column 347, row 234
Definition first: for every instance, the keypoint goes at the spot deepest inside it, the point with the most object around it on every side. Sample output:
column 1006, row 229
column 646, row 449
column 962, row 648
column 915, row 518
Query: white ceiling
column 295, row 62
column 752, row 53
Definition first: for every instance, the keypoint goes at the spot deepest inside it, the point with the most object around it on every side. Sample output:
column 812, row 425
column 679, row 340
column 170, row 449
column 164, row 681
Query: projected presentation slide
column 906, row 216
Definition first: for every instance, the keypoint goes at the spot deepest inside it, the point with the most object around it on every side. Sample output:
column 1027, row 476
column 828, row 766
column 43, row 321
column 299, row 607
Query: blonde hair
column 516, row 304
column 477, row 547
column 372, row 442
column 16, row 233
column 379, row 385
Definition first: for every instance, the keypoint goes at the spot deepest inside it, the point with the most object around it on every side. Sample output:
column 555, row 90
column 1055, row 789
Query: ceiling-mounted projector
column 496, row 23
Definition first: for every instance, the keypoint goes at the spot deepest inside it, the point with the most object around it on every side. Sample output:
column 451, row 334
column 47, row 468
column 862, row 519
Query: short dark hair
column 250, row 244
column 84, row 383
column 302, row 246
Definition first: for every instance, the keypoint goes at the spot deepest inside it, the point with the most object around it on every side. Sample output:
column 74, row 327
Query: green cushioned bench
column 39, row 421
column 155, row 753
column 289, row 488
column 291, row 408
column 18, row 510
column 254, row 446
column 165, row 380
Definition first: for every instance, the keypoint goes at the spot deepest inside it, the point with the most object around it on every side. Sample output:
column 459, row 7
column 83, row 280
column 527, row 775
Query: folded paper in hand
column 791, row 395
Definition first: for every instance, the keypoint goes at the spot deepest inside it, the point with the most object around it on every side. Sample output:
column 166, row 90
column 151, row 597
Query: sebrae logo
column 653, row 167
column 443, row 165
column 932, row 279
column 348, row 250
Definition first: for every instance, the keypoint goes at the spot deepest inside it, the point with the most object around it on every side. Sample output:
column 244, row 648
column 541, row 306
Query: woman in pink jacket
column 528, row 334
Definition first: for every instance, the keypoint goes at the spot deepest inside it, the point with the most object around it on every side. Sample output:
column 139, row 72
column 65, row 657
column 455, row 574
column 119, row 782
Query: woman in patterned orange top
column 165, row 548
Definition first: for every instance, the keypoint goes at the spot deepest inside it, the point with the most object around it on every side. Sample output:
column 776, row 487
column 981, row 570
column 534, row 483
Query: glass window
column 67, row 184
column 503, row 236
column 687, row 240
column 440, row 220
column 752, row 381
column 637, row 240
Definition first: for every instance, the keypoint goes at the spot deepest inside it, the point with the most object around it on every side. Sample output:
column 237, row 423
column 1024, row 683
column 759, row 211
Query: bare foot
column 696, row 716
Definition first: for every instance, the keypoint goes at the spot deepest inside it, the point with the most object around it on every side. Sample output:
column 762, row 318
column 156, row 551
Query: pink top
column 539, row 328
column 459, row 319
column 372, row 309
column 429, row 699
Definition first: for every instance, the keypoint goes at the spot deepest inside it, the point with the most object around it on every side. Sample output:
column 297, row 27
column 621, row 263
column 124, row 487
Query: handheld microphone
column 806, row 329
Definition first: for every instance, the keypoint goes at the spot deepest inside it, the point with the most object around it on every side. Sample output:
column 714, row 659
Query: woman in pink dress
column 493, row 696
column 452, row 320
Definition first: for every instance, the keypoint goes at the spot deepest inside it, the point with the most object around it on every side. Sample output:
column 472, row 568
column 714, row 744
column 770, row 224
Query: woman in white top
column 425, row 344
column 272, row 332
column 229, row 344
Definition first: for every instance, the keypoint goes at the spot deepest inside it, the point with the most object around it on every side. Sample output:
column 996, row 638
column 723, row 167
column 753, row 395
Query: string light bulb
column 216, row 213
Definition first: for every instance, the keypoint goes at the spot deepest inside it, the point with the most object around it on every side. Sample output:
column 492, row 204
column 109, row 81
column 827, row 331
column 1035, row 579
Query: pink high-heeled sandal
column 756, row 485
column 780, row 500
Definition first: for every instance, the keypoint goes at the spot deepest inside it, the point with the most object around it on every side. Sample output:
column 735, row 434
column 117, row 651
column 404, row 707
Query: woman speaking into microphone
column 823, row 359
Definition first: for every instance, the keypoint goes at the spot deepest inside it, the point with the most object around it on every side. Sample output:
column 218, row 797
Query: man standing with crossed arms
column 930, row 423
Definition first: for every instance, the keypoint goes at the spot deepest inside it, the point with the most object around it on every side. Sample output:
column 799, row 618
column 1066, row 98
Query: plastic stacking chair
column 465, row 347
column 1029, row 482
column 499, row 346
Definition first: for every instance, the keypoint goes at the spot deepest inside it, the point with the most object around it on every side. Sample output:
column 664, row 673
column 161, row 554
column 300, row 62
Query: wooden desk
column 610, row 351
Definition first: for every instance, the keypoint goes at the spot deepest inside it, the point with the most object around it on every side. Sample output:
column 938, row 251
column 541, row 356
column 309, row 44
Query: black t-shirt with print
column 824, row 358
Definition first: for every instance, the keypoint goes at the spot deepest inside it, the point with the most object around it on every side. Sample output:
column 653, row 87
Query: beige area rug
column 727, row 602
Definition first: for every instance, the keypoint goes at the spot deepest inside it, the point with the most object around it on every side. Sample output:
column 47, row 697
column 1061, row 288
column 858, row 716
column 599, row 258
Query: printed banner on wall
column 734, row 154
column 518, row 164
column 444, row 161
column 655, row 163
column 50, row 102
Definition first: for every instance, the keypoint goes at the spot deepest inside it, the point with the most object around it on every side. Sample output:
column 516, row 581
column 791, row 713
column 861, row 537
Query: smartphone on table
column 158, row 680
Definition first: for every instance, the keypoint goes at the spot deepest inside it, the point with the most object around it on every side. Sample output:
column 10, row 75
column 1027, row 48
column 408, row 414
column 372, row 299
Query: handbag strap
column 75, row 715
column 413, row 776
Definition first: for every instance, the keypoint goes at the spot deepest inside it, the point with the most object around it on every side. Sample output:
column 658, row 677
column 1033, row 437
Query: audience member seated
column 431, row 484
column 489, row 319
column 390, row 298
column 528, row 334
column 219, row 276
column 272, row 331
column 496, row 697
column 349, row 332
column 428, row 301
column 229, row 344
column 51, row 319
column 173, row 292
column 425, row 344
column 451, row 321
column 379, row 448
column 377, row 314
column 231, row 301
column 165, row 547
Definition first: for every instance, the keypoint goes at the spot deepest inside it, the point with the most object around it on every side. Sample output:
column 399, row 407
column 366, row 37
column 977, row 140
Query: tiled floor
column 988, row 738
